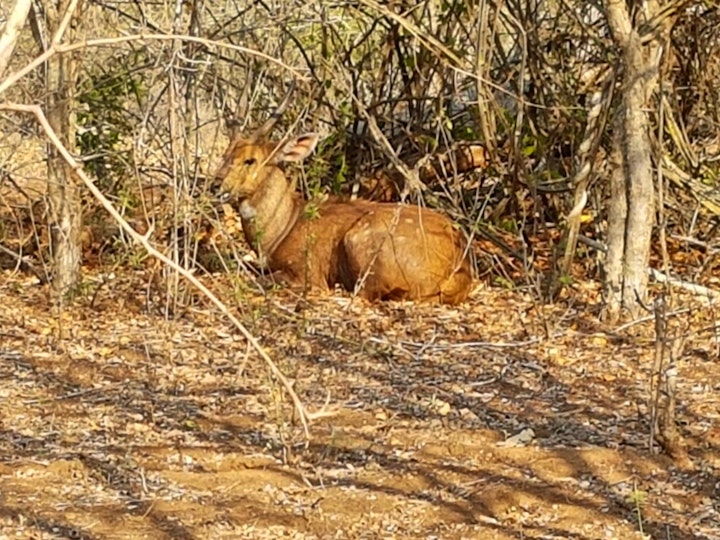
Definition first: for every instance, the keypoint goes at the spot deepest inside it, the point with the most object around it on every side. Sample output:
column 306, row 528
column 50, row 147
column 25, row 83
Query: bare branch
column 65, row 22
column 152, row 251
column 14, row 24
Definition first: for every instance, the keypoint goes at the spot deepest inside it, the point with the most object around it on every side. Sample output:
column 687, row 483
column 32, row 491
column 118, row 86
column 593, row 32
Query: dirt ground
column 119, row 424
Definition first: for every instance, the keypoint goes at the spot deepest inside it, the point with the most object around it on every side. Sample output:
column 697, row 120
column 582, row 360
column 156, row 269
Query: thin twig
column 65, row 22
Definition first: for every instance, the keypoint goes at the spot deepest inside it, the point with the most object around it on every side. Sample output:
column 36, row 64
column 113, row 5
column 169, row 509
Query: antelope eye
column 249, row 162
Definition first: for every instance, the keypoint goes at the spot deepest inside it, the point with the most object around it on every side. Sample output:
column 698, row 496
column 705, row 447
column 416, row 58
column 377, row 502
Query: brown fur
column 403, row 252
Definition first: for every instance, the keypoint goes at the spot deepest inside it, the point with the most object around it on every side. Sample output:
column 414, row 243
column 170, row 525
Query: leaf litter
column 497, row 419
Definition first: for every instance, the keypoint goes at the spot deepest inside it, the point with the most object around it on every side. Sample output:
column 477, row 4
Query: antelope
column 381, row 251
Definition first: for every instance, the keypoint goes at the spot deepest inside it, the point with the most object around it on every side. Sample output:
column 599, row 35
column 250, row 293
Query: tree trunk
column 631, row 208
column 639, row 174
column 617, row 216
column 65, row 218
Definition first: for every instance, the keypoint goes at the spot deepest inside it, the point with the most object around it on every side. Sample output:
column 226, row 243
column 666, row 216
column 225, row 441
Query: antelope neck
column 294, row 215
column 274, row 211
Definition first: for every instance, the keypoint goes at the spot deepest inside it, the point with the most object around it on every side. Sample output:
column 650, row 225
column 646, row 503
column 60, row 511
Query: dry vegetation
column 137, row 411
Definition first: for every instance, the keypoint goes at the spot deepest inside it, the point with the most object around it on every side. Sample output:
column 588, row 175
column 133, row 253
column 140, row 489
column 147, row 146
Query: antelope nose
column 216, row 187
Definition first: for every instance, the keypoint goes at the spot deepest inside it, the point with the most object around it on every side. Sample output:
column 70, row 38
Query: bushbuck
column 381, row 251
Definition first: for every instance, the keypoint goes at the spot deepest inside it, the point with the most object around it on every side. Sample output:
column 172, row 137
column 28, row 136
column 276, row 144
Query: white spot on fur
column 246, row 210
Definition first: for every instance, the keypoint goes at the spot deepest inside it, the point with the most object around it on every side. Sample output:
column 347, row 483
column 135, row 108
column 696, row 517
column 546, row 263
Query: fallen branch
column 694, row 288
column 660, row 277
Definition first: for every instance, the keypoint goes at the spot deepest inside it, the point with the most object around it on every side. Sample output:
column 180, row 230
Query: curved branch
column 153, row 252
column 103, row 42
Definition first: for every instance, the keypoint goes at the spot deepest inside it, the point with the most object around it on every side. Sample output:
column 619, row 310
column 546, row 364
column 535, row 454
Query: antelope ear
column 298, row 149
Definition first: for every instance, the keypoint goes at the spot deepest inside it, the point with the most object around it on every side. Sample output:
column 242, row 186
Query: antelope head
column 249, row 161
column 248, row 164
